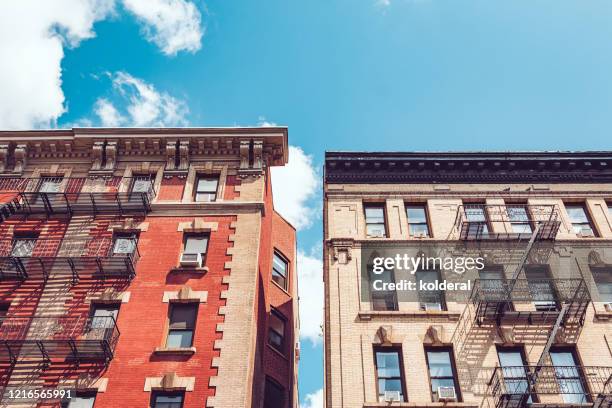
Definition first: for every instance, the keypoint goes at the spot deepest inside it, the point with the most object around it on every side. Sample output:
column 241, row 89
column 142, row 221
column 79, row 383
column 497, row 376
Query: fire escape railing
column 76, row 195
column 507, row 222
column 62, row 337
column 39, row 257
column 535, row 300
column 517, row 386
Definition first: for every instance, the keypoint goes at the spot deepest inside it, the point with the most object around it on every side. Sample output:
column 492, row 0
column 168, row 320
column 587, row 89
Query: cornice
column 468, row 167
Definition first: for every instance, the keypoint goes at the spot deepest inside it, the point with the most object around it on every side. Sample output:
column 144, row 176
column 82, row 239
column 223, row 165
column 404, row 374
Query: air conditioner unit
column 608, row 306
column 191, row 260
column 431, row 306
column 446, row 394
column 392, row 396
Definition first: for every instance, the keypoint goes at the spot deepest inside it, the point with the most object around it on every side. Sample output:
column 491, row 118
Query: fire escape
column 78, row 338
column 542, row 302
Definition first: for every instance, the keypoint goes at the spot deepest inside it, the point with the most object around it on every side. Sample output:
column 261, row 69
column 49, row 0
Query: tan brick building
column 535, row 325
column 145, row 268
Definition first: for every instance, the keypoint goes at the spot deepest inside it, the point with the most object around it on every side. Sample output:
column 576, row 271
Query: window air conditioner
column 191, row 260
column 446, row 394
column 431, row 306
column 392, row 396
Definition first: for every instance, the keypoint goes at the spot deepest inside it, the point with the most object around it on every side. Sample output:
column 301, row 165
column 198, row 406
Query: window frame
column 487, row 230
column 383, row 294
column 383, row 207
column 200, row 235
column 600, row 271
column 81, row 394
column 276, row 253
column 156, row 393
column 283, row 336
column 521, row 350
column 441, row 293
column 573, row 350
column 427, row 222
column 553, row 290
column 57, row 180
column 203, row 176
column 24, row 236
column 171, row 307
column 283, row 391
column 138, row 177
column 528, row 214
column 5, row 307
column 589, row 219
column 451, row 356
column 117, row 235
column 396, row 348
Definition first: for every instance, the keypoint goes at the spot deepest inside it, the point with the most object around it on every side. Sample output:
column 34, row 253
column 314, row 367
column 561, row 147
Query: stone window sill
column 372, row 314
column 186, row 269
column 178, row 351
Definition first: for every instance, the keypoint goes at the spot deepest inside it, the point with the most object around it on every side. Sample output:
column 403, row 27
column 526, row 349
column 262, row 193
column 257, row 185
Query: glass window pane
column 179, row 338
column 419, row 229
column 182, row 316
column 142, row 184
column 441, row 382
column 439, row 364
column 274, row 395
column 375, row 214
column 277, row 324
column 50, row 185
column 387, row 364
column 416, row 214
column 23, row 247
column 82, row 401
column 376, row 230
column 603, row 280
column 124, row 245
column 475, row 214
column 207, row 184
column 577, row 214
column 168, row 401
column 279, row 265
column 196, row 245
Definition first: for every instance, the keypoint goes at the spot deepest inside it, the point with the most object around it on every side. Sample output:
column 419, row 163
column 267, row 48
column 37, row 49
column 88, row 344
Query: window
column 476, row 217
column 383, row 299
column 141, row 184
column 274, row 395
column 389, row 372
column 441, row 370
column 196, row 244
column 518, row 215
column 375, row 220
column 430, row 299
column 417, row 220
column 182, row 325
column 23, row 245
column 581, row 223
column 542, row 287
column 493, row 285
column 279, row 270
column 276, row 331
column 206, row 188
column 104, row 316
column 569, row 376
column 603, row 280
column 80, row 400
column 167, row 400
column 514, row 370
column 50, row 184
column 124, row 243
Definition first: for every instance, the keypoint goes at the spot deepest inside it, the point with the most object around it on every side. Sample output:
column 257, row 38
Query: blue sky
column 341, row 74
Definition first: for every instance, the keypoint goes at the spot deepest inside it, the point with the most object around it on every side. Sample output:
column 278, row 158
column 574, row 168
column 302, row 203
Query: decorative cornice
column 491, row 167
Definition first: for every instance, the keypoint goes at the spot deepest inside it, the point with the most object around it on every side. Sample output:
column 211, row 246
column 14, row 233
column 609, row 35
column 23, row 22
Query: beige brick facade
column 353, row 329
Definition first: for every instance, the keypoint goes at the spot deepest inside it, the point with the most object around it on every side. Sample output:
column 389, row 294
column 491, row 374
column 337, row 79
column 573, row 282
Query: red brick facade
column 64, row 285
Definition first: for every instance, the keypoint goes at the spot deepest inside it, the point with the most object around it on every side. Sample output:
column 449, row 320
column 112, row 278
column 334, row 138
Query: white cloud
column 108, row 114
column 293, row 185
column 313, row 400
column 173, row 25
column 33, row 34
column 144, row 105
column 310, row 288
column 383, row 3
column 262, row 122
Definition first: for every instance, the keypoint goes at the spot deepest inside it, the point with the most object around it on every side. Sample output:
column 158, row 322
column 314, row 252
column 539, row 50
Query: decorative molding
column 197, row 225
column 111, row 156
column 536, row 167
column 97, row 152
column 84, row 382
column 342, row 250
column 434, row 335
column 169, row 382
column 4, row 154
column 20, row 154
column 185, row 295
column 170, row 155
column 183, row 155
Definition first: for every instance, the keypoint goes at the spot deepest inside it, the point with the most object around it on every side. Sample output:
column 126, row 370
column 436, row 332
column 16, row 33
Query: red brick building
column 145, row 267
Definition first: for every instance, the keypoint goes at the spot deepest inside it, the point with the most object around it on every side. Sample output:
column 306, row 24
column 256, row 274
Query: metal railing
column 83, row 337
column 502, row 222
column 494, row 298
column 68, row 195
column 22, row 257
column 578, row 384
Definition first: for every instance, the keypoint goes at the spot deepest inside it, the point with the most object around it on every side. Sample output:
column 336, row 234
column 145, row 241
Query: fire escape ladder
column 519, row 267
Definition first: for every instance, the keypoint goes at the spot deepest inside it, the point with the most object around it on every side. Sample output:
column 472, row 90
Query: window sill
column 448, row 404
column 177, row 351
column 182, row 269
column 444, row 314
